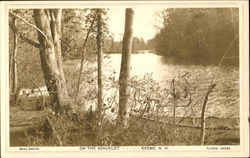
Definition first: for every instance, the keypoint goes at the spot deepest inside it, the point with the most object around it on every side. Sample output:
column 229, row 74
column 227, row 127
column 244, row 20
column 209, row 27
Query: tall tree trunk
column 49, row 22
column 13, row 59
column 99, row 60
column 98, row 125
column 125, row 69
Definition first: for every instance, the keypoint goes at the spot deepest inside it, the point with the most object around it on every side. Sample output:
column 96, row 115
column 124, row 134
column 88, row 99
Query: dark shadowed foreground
column 29, row 127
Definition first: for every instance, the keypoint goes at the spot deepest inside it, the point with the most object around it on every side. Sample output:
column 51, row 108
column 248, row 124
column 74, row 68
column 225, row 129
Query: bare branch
column 203, row 125
column 228, row 48
column 13, row 14
column 82, row 59
column 23, row 37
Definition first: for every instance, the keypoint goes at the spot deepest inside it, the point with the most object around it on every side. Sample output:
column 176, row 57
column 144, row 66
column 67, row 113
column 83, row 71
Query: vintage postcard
column 125, row 79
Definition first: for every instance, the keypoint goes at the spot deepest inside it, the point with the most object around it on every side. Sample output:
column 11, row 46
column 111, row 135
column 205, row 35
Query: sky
column 144, row 21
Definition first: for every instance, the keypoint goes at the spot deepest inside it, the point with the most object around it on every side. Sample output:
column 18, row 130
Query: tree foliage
column 198, row 35
column 75, row 25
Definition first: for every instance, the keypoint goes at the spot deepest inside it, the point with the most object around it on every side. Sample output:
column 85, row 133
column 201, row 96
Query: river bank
column 27, row 126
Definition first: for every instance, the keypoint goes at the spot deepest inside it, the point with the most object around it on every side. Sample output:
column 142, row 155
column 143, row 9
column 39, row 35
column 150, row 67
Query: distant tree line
column 138, row 45
column 199, row 35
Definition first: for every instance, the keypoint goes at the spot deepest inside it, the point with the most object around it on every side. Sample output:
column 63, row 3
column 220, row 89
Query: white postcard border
column 129, row 151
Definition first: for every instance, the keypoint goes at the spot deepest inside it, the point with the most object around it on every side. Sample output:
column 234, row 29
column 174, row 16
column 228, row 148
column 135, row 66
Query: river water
column 223, row 101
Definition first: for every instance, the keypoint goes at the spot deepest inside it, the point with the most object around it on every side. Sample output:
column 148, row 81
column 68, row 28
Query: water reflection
column 223, row 102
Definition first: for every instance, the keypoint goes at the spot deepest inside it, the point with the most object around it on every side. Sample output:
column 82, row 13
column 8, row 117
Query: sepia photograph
column 125, row 76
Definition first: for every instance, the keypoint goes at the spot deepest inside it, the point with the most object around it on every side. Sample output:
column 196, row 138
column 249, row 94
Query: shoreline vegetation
column 24, row 131
column 88, row 104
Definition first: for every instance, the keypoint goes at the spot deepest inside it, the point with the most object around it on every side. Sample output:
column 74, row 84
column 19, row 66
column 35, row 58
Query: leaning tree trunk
column 49, row 22
column 125, row 69
column 13, row 59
